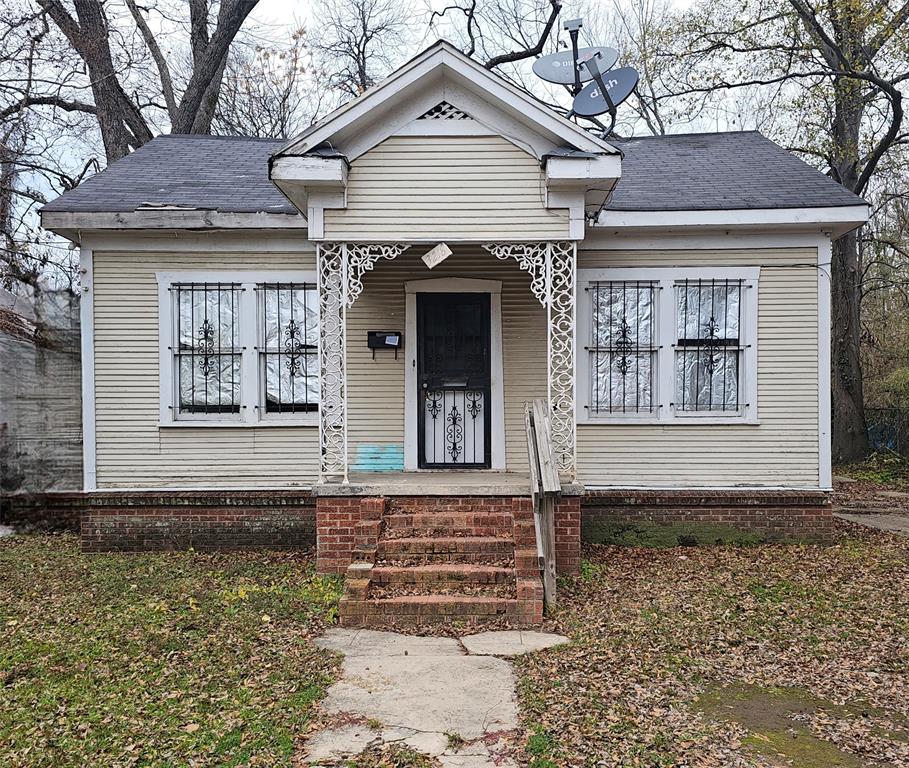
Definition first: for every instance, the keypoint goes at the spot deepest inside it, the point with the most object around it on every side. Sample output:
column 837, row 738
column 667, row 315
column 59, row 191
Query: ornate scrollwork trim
column 362, row 258
column 531, row 257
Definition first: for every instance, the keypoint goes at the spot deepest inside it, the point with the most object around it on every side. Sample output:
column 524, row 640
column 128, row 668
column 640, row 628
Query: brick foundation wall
column 568, row 535
column 52, row 512
column 773, row 515
column 203, row 520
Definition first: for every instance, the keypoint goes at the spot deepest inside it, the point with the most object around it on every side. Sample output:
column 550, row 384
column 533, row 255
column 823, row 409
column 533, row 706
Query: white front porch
column 356, row 391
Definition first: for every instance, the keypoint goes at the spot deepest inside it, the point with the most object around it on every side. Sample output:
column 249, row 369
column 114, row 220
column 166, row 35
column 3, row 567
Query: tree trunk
column 850, row 435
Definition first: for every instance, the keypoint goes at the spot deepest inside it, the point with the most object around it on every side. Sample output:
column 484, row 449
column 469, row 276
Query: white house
column 262, row 334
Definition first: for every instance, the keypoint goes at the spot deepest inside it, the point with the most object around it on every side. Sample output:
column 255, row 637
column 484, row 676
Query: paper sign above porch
column 437, row 255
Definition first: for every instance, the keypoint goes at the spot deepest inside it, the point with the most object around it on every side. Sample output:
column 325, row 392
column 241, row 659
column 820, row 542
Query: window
column 708, row 348
column 289, row 362
column 668, row 345
column 239, row 349
column 623, row 353
column 207, row 348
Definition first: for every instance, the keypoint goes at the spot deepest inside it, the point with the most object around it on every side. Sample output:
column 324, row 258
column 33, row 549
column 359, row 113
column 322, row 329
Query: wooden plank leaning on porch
column 545, row 488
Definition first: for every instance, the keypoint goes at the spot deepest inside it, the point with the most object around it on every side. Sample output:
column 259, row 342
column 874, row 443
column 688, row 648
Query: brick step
column 442, row 573
column 411, row 610
column 473, row 523
column 505, row 590
column 485, row 550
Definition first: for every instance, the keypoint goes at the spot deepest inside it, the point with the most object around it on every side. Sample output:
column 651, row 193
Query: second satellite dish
column 619, row 85
column 559, row 67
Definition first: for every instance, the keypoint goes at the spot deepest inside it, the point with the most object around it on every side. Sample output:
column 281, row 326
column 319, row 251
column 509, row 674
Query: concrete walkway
column 5, row 530
column 453, row 699
column 891, row 523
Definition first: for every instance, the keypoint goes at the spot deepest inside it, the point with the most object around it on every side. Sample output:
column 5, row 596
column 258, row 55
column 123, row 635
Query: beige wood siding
column 132, row 451
column 376, row 387
column 783, row 449
column 445, row 187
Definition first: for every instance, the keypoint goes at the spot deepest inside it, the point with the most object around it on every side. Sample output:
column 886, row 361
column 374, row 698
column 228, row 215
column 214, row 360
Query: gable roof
column 719, row 171
column 714, row 171
column 211, row 173
column 444, row 62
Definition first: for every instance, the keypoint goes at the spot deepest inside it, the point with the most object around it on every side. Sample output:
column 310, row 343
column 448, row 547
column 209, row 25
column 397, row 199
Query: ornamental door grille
column 453, row 375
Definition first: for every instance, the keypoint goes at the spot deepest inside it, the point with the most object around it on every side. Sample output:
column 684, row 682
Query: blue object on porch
column 378, row 457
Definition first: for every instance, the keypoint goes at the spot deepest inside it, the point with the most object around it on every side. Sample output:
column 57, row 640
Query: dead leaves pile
column 654, row 630
column 160, row 659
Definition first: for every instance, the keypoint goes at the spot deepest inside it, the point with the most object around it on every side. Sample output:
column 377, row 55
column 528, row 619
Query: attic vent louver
column 444, row 111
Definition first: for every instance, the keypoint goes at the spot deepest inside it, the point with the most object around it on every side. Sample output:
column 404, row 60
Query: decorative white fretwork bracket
column 551, row 266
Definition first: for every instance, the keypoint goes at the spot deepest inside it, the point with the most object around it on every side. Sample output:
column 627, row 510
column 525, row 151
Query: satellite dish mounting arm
column 594, row 70
column 574, row 28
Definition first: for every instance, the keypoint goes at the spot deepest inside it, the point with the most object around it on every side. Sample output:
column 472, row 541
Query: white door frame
column 497, row 380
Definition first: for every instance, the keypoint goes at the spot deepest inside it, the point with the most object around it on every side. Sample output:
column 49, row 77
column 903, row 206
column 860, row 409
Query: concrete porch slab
column 436, row 483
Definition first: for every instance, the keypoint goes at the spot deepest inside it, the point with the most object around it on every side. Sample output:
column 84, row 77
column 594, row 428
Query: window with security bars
column 623, row 351
column 288, row 351
column 207, row 350
column 709, row 348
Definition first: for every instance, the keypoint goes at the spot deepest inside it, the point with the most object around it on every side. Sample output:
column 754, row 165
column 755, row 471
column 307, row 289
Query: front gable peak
column 439, row 108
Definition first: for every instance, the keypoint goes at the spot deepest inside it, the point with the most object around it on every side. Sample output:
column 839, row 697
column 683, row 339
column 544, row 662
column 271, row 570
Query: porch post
column 561, row 311
column 331, row 265
column 551, row 266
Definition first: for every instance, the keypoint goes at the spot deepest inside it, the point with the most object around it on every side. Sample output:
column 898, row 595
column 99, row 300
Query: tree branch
column 167, row 84
column 536, row 50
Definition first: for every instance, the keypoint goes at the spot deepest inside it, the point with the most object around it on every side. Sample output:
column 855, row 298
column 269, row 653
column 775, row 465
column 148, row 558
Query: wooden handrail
column 545, row 489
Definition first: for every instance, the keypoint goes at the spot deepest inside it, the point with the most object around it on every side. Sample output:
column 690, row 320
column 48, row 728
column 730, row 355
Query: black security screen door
column 453, row 380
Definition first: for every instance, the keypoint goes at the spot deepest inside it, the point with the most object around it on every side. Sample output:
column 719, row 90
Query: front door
column 453, row 380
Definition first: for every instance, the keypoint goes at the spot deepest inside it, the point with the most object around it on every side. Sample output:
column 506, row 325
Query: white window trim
column 252, row 412
column 666, row 329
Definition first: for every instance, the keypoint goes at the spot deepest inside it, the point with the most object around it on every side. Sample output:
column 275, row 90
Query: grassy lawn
column 728, row 656
column 164, row 659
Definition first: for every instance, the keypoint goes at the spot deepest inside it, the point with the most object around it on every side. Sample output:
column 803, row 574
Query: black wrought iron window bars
column 623, row 350
column 288, row 347
column 207, row 351
column 709, row 346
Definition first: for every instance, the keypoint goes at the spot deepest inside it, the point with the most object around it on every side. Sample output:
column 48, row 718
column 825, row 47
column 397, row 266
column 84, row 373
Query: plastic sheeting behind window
column 623, row 346
column 708, row 349
column 207, row 347
column 289, row 358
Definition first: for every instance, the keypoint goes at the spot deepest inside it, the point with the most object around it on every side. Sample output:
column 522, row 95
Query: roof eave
column 70, row 224
column 835, row 219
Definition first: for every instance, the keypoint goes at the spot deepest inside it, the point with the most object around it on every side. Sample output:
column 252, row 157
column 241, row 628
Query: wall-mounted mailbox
column 384, row 340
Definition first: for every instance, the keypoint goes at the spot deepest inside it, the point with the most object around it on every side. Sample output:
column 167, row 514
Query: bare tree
column 270, row 90
column 122, row 117
column 837, row 71
column 360, row 41
column 523, row 28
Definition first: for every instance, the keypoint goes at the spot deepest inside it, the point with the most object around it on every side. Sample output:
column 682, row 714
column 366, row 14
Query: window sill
column 682, row 421
column 265, row 423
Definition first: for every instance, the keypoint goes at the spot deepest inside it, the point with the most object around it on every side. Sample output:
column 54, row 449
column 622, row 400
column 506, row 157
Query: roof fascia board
column 837, row 219
column 318, row 171
column 357, row 108
column 456, row 67
column 69, row 224
column 522, row 103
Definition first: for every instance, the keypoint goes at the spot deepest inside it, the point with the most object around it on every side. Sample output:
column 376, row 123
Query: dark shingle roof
column 665, row 173
column 719, row 171
column 212, row 173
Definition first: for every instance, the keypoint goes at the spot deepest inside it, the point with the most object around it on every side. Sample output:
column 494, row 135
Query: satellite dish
column 559, row 67
column 619, row 83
